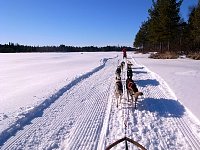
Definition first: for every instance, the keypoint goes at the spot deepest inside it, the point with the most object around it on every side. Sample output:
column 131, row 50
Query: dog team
column 118, row 83
column 132, row 90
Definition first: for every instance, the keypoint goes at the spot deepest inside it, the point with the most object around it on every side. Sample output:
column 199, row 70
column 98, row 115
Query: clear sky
column 74, row 22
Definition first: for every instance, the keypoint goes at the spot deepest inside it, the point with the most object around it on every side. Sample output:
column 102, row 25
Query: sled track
column 160, row 120
column 158, row 134
column 82, row 126
column 75, row 120
column 181, row 122
column 193, row 141
column 69, row 118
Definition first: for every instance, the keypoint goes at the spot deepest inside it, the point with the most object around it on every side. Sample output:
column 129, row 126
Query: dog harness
column 130, row 85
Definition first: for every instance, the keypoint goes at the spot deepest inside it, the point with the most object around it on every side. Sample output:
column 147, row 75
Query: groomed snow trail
column 160, row 120
column 74, row 120
column 84, row 116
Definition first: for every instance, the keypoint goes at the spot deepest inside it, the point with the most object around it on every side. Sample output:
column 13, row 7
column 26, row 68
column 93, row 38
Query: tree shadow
column 144, row 83
column 163, row 107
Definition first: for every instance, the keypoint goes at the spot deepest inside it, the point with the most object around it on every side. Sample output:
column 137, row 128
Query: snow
column 66, row 101
column 183, row 77
column 28, row 79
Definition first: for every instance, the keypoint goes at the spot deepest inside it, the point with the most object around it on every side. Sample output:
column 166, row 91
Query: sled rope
column 125, row 138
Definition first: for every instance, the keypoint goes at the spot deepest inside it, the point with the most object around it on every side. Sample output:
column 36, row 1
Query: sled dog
column 118, row 73
column 132, row 90
column 122, row 65
column 118, row 90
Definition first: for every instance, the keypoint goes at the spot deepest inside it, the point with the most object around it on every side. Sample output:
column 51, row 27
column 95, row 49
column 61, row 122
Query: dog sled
column 133, row 92
column 126, row 140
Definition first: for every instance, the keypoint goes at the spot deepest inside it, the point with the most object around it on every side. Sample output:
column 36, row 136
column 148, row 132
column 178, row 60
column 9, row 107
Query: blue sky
column 74, row 22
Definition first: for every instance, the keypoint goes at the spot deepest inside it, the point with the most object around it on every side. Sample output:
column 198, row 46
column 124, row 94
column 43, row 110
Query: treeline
column 16, row 48
column 165, row 30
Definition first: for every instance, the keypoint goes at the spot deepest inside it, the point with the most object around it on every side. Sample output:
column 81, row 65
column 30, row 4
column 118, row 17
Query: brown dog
column 132, row 90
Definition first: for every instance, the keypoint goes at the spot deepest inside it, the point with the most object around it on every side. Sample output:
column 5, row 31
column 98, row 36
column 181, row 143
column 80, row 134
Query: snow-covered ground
column 66, row 101
column 182, row 75
column 28, row 79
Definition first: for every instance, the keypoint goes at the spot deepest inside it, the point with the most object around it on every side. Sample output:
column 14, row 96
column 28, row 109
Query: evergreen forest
column 165, row 31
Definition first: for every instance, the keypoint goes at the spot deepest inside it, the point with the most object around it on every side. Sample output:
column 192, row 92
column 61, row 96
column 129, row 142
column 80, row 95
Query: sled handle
column 125, row 139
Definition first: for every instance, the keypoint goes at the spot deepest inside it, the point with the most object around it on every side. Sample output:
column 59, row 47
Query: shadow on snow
column 148, row 82
column 139, row 72
column 137, row 67
column 163, row 107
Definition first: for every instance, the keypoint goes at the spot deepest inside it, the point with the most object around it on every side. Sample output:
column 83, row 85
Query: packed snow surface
column 182, row 75
column 67, row 101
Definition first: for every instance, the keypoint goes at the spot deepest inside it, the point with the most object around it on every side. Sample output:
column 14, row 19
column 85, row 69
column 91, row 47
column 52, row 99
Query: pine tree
column 141, row 39
column 154, row 25
column 164, row 21
column 194, row 24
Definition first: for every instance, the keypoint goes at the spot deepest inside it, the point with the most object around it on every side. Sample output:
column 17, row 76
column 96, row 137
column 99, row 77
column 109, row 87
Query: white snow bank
column 182, row 75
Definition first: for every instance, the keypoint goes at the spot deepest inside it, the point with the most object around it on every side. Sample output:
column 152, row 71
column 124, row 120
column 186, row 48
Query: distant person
column 124, row 53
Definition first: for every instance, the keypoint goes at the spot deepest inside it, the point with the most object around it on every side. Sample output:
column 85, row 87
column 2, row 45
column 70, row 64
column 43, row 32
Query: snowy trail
column 83, row 115
column 159, row 122
column 72, row 121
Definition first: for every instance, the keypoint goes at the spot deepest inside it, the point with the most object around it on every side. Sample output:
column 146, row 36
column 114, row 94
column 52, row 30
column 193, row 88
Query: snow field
column 83, row 114
column 75, row 116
